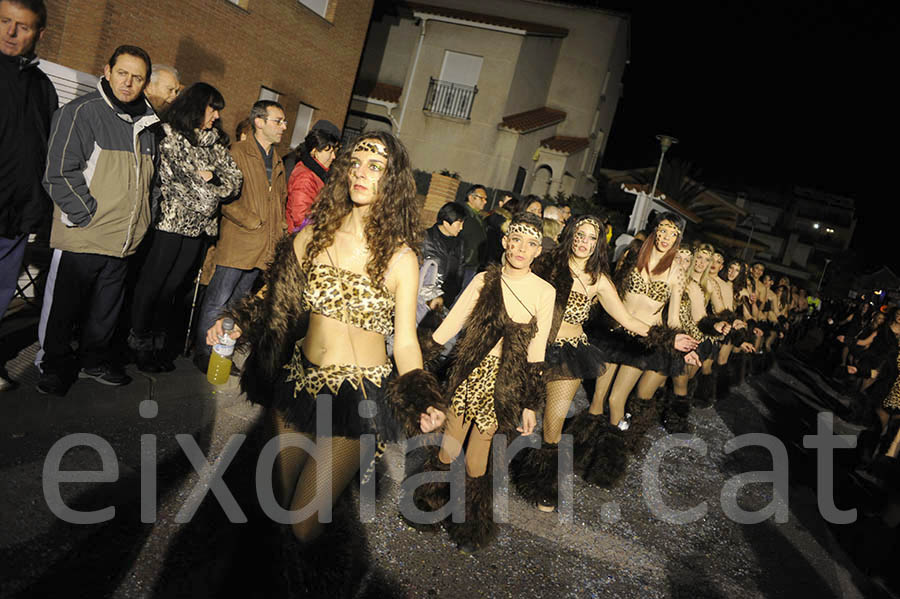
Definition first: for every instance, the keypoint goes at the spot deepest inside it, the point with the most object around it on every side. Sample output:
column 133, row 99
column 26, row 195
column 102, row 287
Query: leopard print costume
column 474, row 398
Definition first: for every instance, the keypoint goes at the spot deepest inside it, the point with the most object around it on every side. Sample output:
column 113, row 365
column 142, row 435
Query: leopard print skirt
column 474, row 398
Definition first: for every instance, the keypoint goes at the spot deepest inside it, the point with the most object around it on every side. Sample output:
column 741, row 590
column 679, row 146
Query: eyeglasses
column 278, row 121
column 475, row 195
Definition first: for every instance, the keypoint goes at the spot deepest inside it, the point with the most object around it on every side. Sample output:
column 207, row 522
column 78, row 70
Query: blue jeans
column 227, row 287
column 12, row 251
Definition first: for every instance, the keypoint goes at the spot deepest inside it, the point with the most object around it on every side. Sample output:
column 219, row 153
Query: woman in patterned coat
column 195, row 173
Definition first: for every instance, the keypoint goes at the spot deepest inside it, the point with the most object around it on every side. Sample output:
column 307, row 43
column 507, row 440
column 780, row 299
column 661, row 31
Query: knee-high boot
column 335, row 563
column 431, row 496
column 723, row 383
column 675, row 414
column 535, row 473
column 644, row 418
column 705, row 394
column 600, row 454
column 478, row 528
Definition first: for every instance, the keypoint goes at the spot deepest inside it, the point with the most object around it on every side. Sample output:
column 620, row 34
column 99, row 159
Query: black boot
column 332, row 565
column 142, row 348
column 723, row 383
column 600, row 454
column 705, row 393
column 162, row 356
column 478, row 529
column 644, row 418
column 675, row 414
column 432, row 496
column 535, row 473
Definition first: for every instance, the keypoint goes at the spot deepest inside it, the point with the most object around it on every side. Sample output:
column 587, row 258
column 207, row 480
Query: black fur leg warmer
column 723, row 382
column 478, row 529
column 332, row 565
column 600, row 454
column 675, row 414
column 432, row 496
column 705, row 395
column 644, row 418
column 410, row 395
column 535, row 473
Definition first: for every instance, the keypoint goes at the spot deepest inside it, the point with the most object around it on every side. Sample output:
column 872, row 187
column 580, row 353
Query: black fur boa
column 517, row 385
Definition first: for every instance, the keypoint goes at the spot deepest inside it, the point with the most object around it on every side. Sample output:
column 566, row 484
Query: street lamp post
column 665, row 142
column 822, row 277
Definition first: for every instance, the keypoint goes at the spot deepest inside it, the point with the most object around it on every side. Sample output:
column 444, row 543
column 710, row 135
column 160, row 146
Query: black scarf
column 313, row 165
column 134, row 109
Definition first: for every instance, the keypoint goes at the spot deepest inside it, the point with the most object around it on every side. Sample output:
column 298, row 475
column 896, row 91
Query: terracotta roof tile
column 532, row 120
column 565, row 144
column 464, row 15
column 379, row 91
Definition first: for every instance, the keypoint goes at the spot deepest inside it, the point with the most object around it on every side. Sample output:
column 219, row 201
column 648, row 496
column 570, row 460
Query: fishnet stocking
column 338, row 462
column 559, row 397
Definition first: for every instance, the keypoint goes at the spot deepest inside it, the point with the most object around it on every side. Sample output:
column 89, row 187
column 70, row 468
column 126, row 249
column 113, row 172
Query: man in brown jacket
column 251, row 225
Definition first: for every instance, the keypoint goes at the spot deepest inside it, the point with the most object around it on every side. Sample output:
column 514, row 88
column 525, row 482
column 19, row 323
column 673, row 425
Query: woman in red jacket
column 313, row 159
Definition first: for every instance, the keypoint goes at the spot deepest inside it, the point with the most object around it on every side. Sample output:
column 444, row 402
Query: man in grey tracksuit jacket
column 99, row 167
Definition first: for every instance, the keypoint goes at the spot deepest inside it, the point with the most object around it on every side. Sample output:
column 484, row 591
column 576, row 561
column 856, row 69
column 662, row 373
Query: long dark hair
column 392, row 221
column 187, row 111
column 597, row 263
column 643, row 259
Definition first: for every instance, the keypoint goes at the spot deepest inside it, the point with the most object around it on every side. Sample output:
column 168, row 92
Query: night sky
column 769, row 95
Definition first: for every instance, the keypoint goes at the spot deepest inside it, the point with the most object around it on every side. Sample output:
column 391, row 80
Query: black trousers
column 85, row 289
column 167, row 264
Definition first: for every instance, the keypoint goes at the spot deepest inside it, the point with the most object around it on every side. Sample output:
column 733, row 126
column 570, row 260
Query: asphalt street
column 617, row 542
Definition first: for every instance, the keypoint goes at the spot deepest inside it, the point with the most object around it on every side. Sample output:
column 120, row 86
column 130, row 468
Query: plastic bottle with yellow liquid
column 220, row 358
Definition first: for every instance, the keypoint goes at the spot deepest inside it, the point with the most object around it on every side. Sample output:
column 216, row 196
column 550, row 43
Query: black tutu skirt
column 581, row 360
column 621, row 348
column 347, row 413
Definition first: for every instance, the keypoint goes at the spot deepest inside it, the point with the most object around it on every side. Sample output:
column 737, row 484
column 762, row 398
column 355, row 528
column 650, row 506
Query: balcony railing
column 449, row 99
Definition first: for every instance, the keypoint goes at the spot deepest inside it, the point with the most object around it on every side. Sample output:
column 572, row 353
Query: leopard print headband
column 525, row 229
column 368, row 145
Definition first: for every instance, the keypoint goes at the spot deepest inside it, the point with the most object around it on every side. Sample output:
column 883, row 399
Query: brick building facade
column 237, row 46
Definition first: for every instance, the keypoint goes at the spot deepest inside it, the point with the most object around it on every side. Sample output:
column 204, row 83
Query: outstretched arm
column 609, row 299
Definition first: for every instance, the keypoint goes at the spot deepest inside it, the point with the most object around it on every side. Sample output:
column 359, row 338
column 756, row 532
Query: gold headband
column 368, row 145
column 524, row 229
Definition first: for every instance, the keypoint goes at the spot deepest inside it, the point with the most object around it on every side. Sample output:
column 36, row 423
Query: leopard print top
column 578, row 308
column 892, row 401
column 474, row 398
column 658, row 291
column 348, row 297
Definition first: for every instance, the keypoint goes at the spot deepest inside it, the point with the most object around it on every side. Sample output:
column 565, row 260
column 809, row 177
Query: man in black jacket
column 474, row 236
column 440, row 277
column 27, row 101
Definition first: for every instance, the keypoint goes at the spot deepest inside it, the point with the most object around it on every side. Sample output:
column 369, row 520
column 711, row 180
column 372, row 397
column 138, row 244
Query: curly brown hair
column 392, row 221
